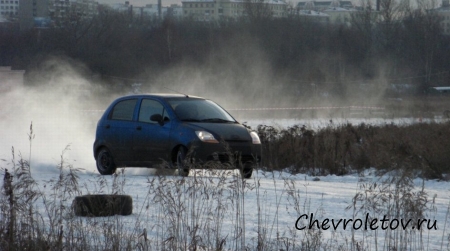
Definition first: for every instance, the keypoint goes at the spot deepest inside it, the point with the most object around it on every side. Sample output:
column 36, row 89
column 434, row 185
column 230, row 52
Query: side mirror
column 157, row 118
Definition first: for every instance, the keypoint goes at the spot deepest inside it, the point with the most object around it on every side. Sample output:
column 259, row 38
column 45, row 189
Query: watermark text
column 368, row 223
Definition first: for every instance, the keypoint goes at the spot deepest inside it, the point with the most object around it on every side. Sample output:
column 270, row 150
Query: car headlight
column 206, row 137
column 255, row 138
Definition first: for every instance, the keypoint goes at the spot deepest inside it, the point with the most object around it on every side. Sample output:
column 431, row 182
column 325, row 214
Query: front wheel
column 183, row 169
column 105, row 162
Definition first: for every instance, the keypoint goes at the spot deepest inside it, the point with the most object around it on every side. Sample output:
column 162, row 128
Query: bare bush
column 419, row 148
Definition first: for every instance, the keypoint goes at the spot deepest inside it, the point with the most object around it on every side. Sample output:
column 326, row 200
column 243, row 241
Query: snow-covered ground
column 218, row 206
column 268, row 205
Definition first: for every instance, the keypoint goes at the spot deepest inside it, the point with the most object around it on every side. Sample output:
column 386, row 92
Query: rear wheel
column 183, row 170
column 105, row 162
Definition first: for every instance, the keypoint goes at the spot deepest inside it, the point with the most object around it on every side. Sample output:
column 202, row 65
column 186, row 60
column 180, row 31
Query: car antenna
column 187, row 96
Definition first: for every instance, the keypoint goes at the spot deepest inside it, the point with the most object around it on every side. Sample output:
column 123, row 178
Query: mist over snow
column 63, row 102
column 55, row 102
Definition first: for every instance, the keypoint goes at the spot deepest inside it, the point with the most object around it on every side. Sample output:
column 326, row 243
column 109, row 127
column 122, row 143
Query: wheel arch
column 97, row 150
column 98, row 145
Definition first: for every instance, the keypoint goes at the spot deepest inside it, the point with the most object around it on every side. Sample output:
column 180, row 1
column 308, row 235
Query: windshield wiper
column 217, row 120
column 190, row 120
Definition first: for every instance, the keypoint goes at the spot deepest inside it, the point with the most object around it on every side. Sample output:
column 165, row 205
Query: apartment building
column 46, row 13
column 122, row 7
column 209, row 10
column 9, row 8
column 201, row 10
column 149, row 11
column 176, row 11
column 335, row 11
column 65, row 10
column 323, row 5
column 31, row 11
column 59, row 9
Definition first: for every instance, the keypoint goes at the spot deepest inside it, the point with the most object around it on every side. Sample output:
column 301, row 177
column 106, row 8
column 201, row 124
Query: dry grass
column 212, row 213
column 338, row 149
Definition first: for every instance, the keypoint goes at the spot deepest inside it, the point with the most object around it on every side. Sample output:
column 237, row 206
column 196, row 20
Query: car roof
column 161, row 96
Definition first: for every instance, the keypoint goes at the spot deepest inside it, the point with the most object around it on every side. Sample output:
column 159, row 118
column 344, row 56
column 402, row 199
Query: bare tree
column 423, row 28
column 389, row 28
column 364, row 23
column 257, row 10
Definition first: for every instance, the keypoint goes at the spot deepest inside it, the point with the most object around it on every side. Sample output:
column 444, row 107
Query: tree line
column 407, row 46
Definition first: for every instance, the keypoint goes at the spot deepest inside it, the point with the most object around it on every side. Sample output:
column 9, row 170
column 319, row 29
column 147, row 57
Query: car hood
column 225, row 131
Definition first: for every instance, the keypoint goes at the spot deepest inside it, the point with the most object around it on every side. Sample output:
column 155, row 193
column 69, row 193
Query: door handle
column 107, row 126
column 138, row 128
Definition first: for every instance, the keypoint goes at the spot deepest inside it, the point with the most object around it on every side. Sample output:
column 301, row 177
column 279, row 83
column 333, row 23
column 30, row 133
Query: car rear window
column 124, row 110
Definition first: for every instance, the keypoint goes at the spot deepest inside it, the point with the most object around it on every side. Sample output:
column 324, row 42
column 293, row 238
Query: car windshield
column 199, row 110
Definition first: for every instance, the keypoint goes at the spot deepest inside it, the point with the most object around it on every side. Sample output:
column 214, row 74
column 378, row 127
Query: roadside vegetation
column 420, row 149
column 213, row 213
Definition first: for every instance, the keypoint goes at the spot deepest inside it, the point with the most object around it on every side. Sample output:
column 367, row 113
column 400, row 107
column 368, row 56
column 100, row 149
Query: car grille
column 237, row 141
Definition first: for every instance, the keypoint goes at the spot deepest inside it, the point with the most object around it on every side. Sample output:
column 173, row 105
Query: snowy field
column 266, row 206
column 218, row 209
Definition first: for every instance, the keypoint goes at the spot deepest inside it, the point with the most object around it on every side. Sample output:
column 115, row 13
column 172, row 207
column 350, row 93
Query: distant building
column 209, row 10
column 60, row 10
column 323, row 5
column 176, row 11
column 149, row 11
column 122, row 7
column 31, row 11
column 336, row 12
column 202, row 10
column 9, row 8
column 46, row 13
column 67, row 10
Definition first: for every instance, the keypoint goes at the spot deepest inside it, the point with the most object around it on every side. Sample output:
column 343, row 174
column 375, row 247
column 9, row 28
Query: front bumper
column 229, row 152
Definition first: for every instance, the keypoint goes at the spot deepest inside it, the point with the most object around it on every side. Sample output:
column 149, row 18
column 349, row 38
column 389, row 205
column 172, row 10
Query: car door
column 151, row 138
column 119, row 128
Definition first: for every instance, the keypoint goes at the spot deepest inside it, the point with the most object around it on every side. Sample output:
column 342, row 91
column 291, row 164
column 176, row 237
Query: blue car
column 148, row 130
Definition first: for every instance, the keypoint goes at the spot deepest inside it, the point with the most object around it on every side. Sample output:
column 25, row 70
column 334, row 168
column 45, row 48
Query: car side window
column 148, row 108
column 124, row 110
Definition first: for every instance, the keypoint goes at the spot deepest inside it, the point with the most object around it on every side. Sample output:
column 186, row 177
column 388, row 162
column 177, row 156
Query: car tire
column 105, row 162
column 99, row 205
column 246, row 170
column 180, row 162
